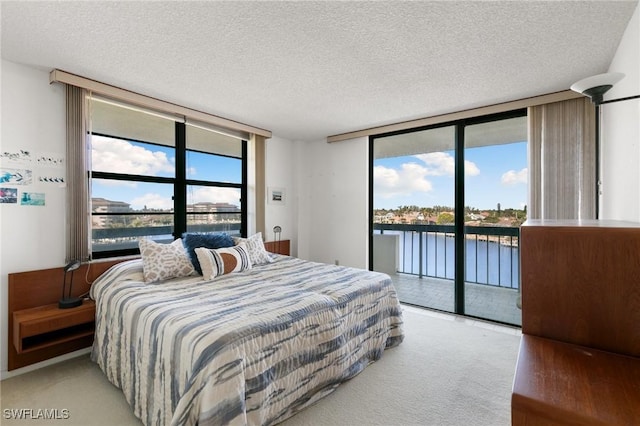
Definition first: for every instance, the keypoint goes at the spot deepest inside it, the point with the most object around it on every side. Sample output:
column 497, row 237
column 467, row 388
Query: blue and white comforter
column 249, row 348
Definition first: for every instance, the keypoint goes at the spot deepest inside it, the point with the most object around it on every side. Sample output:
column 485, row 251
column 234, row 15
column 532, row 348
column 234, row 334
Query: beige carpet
column 448, row 371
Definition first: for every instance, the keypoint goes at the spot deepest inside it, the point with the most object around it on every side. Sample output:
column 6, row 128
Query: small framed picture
column 8, row 195
column 276, row 196
column 32, row 199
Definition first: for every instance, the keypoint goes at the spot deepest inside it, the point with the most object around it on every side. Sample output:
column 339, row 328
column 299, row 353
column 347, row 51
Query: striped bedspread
column 250, row 348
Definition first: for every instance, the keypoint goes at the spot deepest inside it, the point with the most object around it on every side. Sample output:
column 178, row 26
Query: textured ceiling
column 307, row 70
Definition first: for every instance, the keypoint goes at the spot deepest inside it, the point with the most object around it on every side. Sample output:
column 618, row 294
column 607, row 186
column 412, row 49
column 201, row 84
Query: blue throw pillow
column 193, row 240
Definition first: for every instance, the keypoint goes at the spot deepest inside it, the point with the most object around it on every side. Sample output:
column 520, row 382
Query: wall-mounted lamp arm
column 628, row 98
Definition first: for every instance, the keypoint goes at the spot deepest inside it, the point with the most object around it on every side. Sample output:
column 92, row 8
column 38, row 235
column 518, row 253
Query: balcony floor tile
column 483, row 301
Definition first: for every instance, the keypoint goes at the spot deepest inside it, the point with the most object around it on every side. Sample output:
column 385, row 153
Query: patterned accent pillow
column 211, row 240
column 216, row 262
column 164, row 261
column 258, row 254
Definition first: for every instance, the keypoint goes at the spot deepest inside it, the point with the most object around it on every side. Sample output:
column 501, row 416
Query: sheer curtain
column 562, row 160
column 261, row 197
column 78, row 215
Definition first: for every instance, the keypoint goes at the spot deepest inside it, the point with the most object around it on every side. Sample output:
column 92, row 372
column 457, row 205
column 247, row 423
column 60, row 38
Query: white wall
column 333, row 209
column 620, row 141
column 280, row 170
column 33, row 118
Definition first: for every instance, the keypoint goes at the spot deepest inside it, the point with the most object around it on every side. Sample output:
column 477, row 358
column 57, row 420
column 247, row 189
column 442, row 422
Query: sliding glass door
column 446, row 205
column 495, row 207
column 413, row 213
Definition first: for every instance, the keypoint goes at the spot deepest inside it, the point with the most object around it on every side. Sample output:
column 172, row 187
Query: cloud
column 513, row 177
column 443, row 164
column 470, row 168
column 215, row 195
column 408, row 179
column 152, row 201
column 118, row 156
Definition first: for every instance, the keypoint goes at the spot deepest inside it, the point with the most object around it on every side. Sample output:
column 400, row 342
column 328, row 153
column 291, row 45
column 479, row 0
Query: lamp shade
column 596, row 86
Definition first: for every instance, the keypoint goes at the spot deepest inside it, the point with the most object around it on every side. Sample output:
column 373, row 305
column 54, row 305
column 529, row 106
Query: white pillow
column 164, row 261
column 257, row 253
column 216, row 262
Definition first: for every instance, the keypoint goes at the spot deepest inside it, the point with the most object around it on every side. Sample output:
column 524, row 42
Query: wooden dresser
column 579, row 359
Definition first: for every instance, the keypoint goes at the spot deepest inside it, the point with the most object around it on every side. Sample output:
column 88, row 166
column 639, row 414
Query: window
column 154, row 176
column 215, row 170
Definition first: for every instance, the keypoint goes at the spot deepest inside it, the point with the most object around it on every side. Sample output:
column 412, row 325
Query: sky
column 494, row 174
column 119, row 156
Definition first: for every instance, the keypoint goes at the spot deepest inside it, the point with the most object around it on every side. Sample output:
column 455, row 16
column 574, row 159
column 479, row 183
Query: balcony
column 420, row 260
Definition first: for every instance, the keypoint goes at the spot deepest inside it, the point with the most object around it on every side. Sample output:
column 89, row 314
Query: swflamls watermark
column 35, row 414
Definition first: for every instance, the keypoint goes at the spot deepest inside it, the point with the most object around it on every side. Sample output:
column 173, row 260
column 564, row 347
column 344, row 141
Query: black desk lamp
column 68, row 301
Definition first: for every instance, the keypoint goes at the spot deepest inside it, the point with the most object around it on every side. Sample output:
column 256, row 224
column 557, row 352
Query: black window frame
column 180, row 184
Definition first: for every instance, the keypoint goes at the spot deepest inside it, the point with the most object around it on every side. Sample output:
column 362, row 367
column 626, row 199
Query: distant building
column 102, row 205
column 474, row 216
column 207, row 212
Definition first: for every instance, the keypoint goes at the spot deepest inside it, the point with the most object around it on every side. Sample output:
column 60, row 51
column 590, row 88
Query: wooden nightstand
column 44, row 326
column 279, row 247
column 33, row 297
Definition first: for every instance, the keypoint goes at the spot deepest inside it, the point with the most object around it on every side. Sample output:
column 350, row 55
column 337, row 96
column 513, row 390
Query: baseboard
column 9, row 374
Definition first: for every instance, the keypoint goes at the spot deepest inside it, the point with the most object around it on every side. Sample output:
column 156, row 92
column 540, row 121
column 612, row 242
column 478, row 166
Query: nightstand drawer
column 48, row 325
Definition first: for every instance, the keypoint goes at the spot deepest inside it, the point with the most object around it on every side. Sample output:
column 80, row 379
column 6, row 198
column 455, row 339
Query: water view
column 492, row 261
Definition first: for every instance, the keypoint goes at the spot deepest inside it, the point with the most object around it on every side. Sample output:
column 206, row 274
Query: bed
column 249, row 348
